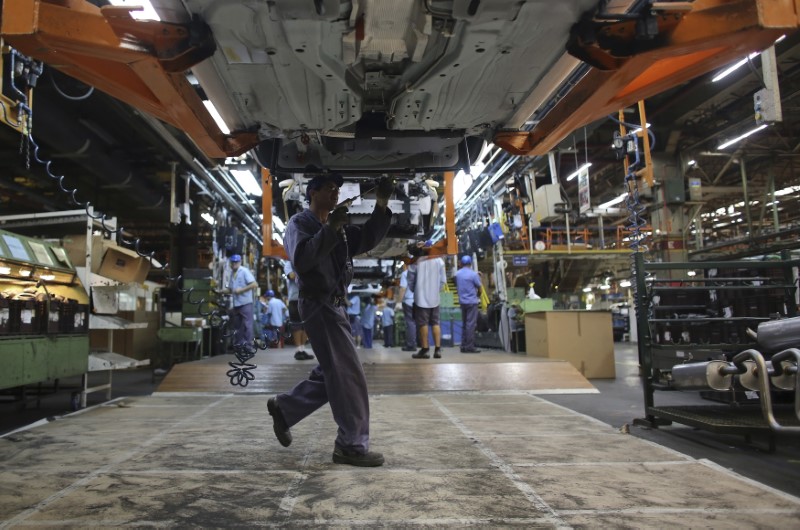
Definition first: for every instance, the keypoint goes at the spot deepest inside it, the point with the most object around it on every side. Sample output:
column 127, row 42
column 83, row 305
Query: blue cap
column 235, row 258
column 270, row 292
column 318, row 181
column 466, row 260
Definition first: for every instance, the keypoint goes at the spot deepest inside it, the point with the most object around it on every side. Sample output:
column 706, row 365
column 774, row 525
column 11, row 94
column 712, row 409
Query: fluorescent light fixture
column 625, row 283
column 248, row 182
column 691, row 274
column 742, row 137
column 587, row 289
column 24, row 273
column 217, row 118
column 738, row 64
column 612, row 202
column 47, row 277
column 5, row 270
column 788, row 190
column 146, row 13
column 735, row 66
column 207, row 217
column 605, row 287
column 578, row 171
column 691, row 162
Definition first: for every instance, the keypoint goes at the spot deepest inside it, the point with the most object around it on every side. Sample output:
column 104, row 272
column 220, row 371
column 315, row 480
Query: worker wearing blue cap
column 242, row 285
column 468, row 287
column 320, row 245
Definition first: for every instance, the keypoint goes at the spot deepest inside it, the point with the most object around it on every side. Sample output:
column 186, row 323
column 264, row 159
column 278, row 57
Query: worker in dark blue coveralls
column 321, row 244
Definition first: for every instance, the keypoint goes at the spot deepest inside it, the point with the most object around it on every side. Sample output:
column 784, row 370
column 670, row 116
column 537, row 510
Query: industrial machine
column 44, row 313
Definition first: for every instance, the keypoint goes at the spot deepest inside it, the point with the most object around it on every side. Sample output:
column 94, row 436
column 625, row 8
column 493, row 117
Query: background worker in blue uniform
column 320, row 244
column 387, row 322
column 295, row 322
column 353, row 303
column 468, row 287
column 242, row 286
column 368, row 321
column 407, row 299
column 277, row 313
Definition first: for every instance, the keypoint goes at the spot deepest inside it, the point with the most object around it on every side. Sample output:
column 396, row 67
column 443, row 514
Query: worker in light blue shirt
column 387, row 322
column 468, row 287
column 276, row 309
column 241, row 285
column 368, row 321
column 353, row 304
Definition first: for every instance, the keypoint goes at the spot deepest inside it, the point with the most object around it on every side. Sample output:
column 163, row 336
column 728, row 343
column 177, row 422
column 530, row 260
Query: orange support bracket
column 626, row 70
column 142, row 63
column 270, row 247
column 449, row 245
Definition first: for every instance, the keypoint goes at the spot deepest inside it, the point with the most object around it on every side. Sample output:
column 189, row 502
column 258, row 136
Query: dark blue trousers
column 469, row 321
column 338, row 379
column 242, row 320
column 411, row 326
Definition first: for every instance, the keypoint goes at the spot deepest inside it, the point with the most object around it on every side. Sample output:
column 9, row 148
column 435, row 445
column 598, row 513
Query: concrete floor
column 489, row 458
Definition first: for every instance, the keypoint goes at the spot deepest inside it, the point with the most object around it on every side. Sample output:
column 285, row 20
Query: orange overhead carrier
column 142, row 63
column 693, row 38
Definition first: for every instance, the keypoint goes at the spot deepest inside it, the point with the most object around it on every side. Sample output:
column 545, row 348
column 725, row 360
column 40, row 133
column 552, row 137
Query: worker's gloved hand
column 338, row 218
column 384, row 191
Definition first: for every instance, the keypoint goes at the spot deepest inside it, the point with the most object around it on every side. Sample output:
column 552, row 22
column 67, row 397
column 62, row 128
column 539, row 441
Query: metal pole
column 775, row 221
column 602, row 231
column 746, row 198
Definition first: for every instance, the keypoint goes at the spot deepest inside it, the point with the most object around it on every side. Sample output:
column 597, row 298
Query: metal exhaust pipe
column 717, row 375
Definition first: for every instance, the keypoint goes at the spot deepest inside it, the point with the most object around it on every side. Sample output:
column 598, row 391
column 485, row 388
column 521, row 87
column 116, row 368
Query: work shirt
column 368, row 316
column 408, row 296
column 355, row 306
column 323, row 257
column 468, row 285
column 277, row 312
column 387, row 317
column 292, row 287
column 239, row 279
column 426, row 281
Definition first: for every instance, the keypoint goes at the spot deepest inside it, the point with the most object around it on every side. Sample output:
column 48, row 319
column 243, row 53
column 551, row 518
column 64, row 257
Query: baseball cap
column 318, row 181
column 270, row 292
column 235, row 258
column 466, row 260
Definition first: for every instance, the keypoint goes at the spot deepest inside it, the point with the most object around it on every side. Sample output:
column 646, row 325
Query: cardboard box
column 124, row 265
column 584, row 338
column 108, row 259
column 75, row 247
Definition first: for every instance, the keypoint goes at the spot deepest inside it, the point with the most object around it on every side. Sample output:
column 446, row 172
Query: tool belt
column 335, row 300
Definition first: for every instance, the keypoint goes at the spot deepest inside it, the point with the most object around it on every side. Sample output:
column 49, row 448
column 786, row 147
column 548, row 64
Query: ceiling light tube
column 247, row 181
column 212, row 110
column 612, row 202
column 147, row 12
column 578, row 171
column 742, row 137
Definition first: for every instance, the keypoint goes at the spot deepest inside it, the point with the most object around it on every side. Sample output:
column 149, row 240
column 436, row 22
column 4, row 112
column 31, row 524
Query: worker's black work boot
column 437, row 353
column 282, row 432
column 370, row 459
column 421, row 354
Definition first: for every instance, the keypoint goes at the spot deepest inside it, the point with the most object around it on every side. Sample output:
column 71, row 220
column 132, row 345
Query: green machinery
column 44, row 313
